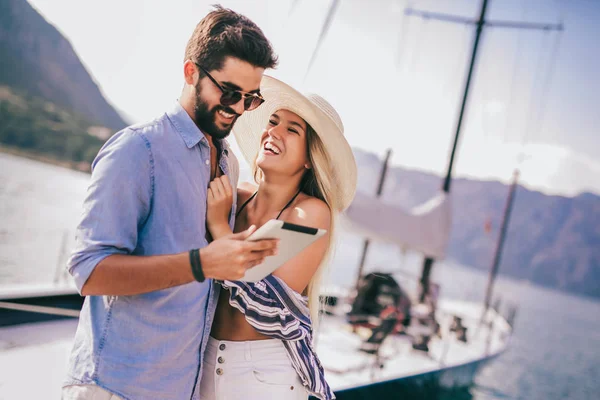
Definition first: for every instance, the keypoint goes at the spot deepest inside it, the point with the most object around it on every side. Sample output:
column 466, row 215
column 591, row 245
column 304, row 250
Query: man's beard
column 205, row 118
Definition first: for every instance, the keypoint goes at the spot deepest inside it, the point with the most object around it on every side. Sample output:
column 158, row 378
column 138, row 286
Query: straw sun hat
column 318, row 113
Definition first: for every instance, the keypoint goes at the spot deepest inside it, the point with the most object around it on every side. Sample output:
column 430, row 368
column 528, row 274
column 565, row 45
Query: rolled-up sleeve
column 117, row 204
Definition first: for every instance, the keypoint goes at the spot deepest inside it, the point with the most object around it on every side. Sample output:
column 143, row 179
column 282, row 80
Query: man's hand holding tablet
column 292, row 240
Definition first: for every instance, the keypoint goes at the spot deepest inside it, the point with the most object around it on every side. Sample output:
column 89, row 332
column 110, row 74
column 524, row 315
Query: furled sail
column 425, row 228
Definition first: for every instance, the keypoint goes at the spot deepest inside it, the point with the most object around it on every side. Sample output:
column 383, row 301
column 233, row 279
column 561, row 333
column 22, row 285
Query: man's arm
column 224, row 259
column 117, row 204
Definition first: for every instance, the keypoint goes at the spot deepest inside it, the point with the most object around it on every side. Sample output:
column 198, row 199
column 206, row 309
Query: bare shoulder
column 311, row 211
column 245, row 190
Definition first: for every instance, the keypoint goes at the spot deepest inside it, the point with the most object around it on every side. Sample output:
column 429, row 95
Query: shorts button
column 219, row 371
column 221, row 360
column 222, row 346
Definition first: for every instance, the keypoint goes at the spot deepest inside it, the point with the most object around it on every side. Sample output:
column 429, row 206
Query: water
column 555, row 349
column 555, row 352
column 40, row 205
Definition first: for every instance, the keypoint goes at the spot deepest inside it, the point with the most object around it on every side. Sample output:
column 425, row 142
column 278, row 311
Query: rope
column 402, row 38
column 40, row 309
column 326, row 25
column 536, row 83
column 513, row 80
column 548, row 79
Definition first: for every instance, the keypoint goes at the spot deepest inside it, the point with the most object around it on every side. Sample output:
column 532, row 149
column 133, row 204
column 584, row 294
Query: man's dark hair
column 224, row 33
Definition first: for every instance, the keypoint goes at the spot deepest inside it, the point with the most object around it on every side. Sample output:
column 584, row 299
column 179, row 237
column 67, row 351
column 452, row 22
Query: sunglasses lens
column 230, row 97
column 250, row 103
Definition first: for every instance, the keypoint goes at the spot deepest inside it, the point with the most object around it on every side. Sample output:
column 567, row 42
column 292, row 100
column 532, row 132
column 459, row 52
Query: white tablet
column 292, row 240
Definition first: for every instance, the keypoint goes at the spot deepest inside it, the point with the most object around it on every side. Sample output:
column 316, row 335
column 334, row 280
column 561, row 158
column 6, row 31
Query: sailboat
column 376, row 340
column 379, row 340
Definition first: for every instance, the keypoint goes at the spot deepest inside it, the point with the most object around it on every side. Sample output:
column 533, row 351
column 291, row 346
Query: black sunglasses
column 231, row 97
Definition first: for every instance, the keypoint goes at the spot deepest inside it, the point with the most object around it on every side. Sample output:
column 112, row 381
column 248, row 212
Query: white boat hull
column 449, row 363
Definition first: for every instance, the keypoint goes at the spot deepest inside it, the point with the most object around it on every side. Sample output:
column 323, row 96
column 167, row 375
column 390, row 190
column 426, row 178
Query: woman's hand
column 218, row 206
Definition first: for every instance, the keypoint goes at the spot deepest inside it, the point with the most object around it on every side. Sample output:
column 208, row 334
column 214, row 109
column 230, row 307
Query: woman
column 260, row 345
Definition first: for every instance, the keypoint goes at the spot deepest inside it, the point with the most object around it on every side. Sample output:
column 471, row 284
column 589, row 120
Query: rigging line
column 406, row 74
column 416, row 53
column 328, row 21
column 292, row 8
column 459, row 64
column 548, row 79
column 509, row 121
column 549, row 75
column 405, row 21
column 485, row 85
column 536, row 83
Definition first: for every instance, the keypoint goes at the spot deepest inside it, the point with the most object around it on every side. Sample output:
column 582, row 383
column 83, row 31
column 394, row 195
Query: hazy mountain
column 552, row 240
column 37, row 59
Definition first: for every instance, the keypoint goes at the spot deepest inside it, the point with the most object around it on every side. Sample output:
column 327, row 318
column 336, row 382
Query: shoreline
column 81, row 166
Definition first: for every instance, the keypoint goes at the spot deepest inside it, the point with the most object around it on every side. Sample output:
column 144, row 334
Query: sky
column 395, row 80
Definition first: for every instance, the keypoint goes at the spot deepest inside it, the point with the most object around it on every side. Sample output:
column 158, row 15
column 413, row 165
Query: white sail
column 425, row 228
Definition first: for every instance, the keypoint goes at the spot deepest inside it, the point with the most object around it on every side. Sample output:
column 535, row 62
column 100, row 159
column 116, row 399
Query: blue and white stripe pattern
column 277, row 311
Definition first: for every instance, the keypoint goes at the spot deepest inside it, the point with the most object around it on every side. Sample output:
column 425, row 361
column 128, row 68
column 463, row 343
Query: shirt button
column 219, row 371
column 222, row 346
column 221, row 360
column 207, row 162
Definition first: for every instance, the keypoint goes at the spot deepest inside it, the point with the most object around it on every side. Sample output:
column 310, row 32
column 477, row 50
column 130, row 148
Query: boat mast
column 367, row 242
column 479, row 23
column 500, row 244
column 428, row 262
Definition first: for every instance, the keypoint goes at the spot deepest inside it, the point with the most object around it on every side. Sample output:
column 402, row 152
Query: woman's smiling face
column 283, row 144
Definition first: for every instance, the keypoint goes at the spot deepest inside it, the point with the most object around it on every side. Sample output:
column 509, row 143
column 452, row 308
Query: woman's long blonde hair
column 318, row 182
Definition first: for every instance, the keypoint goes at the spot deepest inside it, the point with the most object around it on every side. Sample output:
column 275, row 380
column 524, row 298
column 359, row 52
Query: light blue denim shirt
column 147, row 196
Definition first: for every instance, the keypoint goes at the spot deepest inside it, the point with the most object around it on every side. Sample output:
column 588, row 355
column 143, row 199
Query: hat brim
column 249, row 127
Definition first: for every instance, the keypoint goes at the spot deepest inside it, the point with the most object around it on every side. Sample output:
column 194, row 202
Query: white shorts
column 252, row 370
column 87, row 392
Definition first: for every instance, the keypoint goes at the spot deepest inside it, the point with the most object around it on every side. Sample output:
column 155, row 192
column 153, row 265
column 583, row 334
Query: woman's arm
column 219, row 203
column 218, row 206
column 312, row 212
column 298, row 271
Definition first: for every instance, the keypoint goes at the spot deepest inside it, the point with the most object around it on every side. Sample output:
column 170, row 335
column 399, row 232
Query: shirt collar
column 189, row 131
column 184, row 124
column 224, row 146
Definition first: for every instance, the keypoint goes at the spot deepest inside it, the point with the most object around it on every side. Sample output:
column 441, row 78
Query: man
column 150, row 302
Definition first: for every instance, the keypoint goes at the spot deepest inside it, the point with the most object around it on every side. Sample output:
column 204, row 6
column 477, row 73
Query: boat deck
column 347, row 367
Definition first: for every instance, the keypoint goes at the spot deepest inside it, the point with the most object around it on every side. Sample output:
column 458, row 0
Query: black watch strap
column 196, row 265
